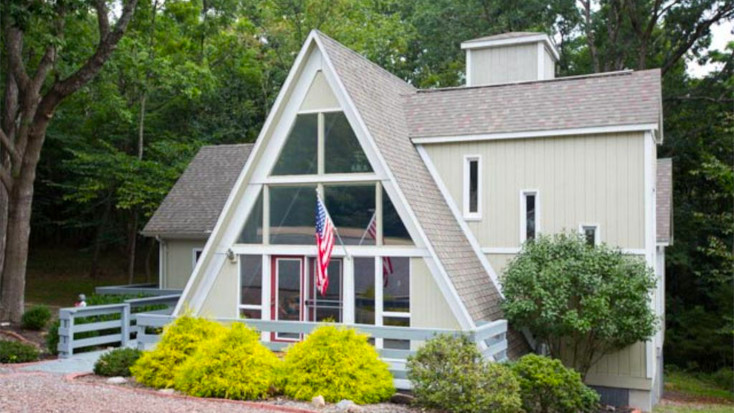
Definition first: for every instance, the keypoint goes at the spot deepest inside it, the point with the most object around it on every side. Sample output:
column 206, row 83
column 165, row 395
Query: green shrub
column 547, row 386
column 724, row 378
column 117, row 362
column 448, row 373
column 233, row 366
column 336, row 363
column 52, row 338
column 157, row 368
column 15, row 352
column 36, row 318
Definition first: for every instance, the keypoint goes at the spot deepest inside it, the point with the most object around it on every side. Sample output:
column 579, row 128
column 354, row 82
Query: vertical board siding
column 222, row 299
column 320, row 95
column 586, row 179
column 428, row 306
column 504, row 64
column 549, row 65
column 179, row 262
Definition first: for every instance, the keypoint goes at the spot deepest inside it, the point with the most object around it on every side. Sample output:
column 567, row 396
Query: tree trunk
column 3, row 227
column 131, row 246
column 148, row 259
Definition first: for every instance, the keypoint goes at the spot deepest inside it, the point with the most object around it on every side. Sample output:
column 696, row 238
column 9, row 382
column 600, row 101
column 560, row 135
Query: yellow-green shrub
column 337, row 363
column 232, row 366
column 157, row 368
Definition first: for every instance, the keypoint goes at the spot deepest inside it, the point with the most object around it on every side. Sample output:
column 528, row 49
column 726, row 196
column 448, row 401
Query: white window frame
column 597, row 233
column 194, row 251
column 468, row 214
column 254, row 307
column 523, row 213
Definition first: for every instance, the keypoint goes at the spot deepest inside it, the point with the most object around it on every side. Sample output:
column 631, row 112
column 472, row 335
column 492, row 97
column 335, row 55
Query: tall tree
column 31, row 97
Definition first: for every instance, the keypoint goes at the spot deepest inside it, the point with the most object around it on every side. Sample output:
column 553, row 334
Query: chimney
column 509, row 57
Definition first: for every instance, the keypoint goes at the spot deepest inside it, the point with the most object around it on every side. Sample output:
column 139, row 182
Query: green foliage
column 52, row 338
column 235, row 365
column 548, row 387
column 158, row 368
column 117, row 362
column 16, row 352
column 36, row 318
column 448, row 373
column 337, row 363
column 591, row 300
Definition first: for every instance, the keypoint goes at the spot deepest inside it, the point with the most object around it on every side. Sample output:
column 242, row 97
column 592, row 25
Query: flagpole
column 336, row 230
column 364, row 234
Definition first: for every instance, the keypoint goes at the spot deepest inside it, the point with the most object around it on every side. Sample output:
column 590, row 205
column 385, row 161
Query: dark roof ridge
column 624, row 72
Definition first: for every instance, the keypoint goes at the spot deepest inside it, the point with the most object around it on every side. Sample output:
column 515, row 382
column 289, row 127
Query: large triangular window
column 342, row 151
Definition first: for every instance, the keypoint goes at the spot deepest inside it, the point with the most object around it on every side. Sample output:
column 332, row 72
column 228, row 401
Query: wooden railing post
column 66, row 333
column 125, row 325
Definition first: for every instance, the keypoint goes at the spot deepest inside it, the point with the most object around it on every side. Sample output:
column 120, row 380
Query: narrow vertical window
column 590, row 233
column 472, row 187
column 529, row 215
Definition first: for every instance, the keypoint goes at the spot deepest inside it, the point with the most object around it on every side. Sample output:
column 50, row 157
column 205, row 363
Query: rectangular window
column 364, row 290
column 292, row 214
column 590, row 232
column 529, row 215
column 250, row 286
column 396, row 297
column 352, row 208
column 472, row 187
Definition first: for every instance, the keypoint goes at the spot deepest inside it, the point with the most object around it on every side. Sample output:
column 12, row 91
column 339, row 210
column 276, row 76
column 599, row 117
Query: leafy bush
column 232, row 366
column 15, row 352
column 724, row 378
column 547, row 386
column 52, row 338
column 570, row 294
column 117, row 362
column 157, row 368
column 337, row 363
column 448, row 373
column 36, row 318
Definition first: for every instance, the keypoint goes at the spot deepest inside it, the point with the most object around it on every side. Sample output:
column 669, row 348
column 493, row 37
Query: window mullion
column 320, row 144
column 266, row 215
column 378, row 213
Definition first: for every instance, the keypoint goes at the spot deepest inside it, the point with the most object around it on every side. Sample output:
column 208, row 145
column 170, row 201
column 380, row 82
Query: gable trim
column 647, row 127
column 396, row 194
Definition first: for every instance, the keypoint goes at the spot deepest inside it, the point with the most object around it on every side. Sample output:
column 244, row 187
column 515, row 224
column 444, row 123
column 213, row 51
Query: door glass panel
column 325, row 307
column 289, row 293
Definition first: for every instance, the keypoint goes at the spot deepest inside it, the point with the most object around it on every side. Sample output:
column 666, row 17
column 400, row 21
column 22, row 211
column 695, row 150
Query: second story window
column 590, row 232
column 472, row 187
column 529, row 215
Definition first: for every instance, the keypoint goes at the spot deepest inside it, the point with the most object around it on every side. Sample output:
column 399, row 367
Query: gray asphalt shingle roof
column 664, row 200
column 193, row 206
column 609, row 99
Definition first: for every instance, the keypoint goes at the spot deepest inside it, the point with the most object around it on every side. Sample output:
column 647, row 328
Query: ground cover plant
column 234, row 365
column 336, row 363
column 117, row 362
column 16, row 352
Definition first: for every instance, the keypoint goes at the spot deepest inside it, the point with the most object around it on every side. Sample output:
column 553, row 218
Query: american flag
column 386, row 261
column 325, row 245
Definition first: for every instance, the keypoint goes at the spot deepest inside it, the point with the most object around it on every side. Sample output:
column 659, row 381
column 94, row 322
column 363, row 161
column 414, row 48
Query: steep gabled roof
column 376, row 93
column 664, row 201
column 192, row 207
column 609, row 99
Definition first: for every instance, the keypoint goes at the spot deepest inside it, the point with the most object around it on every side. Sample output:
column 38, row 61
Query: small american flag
column 386, row 261
column 325, row 245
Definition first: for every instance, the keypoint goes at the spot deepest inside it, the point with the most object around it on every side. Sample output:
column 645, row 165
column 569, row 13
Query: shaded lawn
column 685, row 392
column 56, row 276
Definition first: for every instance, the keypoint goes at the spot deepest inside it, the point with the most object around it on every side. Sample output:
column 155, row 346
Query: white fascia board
column 646, row 127
column 399, row 200
column 207, row 254
column 481, row 44
column 457, row 215
column 339, row 250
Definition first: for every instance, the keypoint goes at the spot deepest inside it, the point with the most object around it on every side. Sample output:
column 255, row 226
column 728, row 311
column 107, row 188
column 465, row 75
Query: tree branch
column 102, row 20
column 14, row 46
column 6, row 179
column 9, row 147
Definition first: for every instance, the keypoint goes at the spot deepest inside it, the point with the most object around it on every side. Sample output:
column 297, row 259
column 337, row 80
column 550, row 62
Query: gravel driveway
column 46, row 392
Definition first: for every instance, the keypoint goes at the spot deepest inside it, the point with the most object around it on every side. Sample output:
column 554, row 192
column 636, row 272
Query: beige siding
column 592, row 179
column 549, row 65
column 625, row 368
column 222, row 298
column 504, row 64
column 428, row 306
column 499, row 261
column 179, row 262
column 319, row 95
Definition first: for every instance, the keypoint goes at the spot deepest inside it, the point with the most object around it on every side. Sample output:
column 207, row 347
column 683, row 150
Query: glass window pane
column 396, row 284
column 352, row 208
column 251, row 279
column 250, row 314
column 530, row 216
column 364, row 290
column 590, row 235
column 292, row 217
column 288, row 292
column 252, row 232
column 396, row 344
column 343, row 153
column 393, row 230
column 325, row 307
column 298, row 156
column 473, row 186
